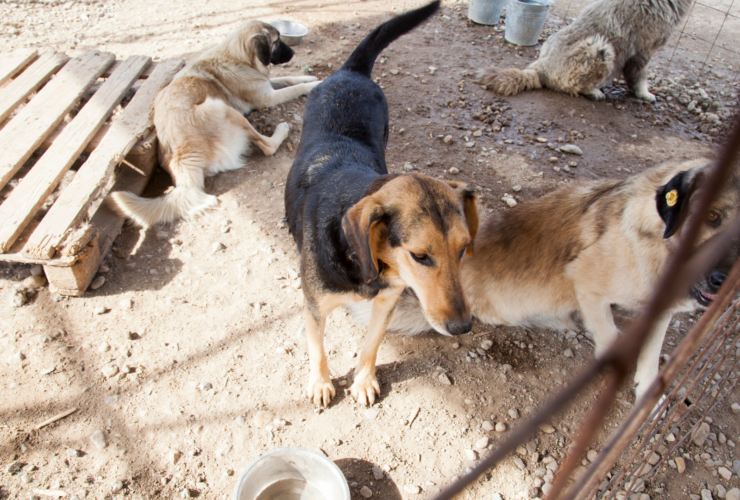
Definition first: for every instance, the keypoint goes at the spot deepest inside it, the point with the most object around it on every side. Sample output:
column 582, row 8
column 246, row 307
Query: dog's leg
column 648, row 363
column 320, row 389
column 274, row 97
column 635, row 73
column 598, row 319
column 289, row 81
column 595, row 94
column 268, row 145
column 366, row 385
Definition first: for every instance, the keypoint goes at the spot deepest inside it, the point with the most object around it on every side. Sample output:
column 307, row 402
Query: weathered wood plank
column 26, row 199
column 29, row 81
column 144, row 74
column 11, row 64
column 24, row 132
column 91, row 183
column 106, row 225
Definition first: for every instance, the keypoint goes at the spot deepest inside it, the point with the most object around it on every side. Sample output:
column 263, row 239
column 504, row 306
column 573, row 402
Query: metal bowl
column 291, row 32
column 292, row 474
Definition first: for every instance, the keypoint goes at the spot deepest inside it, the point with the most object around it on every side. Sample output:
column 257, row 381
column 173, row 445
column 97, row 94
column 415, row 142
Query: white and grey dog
column 608, row 38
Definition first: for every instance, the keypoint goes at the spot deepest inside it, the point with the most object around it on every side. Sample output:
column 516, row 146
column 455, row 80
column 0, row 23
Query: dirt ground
column 200, row 330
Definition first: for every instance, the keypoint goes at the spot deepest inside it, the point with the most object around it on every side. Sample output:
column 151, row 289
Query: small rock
column 514, row 413
column 471, row 455
column 470, row 144
column 500, row 427
column 18, row 297
column 454, row 170
column 478, row 133
column 519, row 463
column 487, row 426
column 725, row 473
column 16, row 358
column 572, row 149
column 568, row 353
column 162, row 235
column 378, row 473
column 735, row 408
column 97, row 282
column 371, row 414
column 100, row 310
column 592, row 455
column 553, row 159
column 37, row 270
column 262, row 418
column 34, row 282
column 496, row 496
column 720, row 491
column 556, row 169
column 736, row 467
column 547, row 428
column 455, row 345
column 174, row 456
column 411, row 488
column 700, row 434
column 706, row 495
column 14, row 468
column 443, row 378
column 98, row 439
column 126, row 304
column 73, row 453
column 366, row 492
column 511, row 202
column 217, row 247
column 186, row 493
column 733, row 494
column 109, row 371
column 654, row 459
column 448, row 139
column 486, row 344
column 482, row 443
column 680, row 464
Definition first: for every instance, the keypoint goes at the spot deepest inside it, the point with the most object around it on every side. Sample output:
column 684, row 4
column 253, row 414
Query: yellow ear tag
column 671, row 198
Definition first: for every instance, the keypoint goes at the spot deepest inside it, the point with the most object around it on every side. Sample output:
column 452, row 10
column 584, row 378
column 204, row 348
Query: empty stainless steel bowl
column 291, row 32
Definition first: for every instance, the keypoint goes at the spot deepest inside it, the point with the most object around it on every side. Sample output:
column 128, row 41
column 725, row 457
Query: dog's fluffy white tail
column 408, row 318
column 181, row 202
column 509, row 81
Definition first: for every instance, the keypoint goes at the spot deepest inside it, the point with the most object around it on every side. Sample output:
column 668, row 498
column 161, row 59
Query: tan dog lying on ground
column 609, row 38
column 200, row 120
column 583, row 249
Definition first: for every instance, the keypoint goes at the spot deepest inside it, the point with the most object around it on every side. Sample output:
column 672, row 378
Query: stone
column 680, row 464
column 412, row 488
column 443, row 378
column 470, row 144
column 547, row 428
column 735, row 408
column 126, row 304
column 725, row 473
column 516, row 188
column 98, row 439
column 568, row 353
column 736, row 467
column 73, row 453
column 366, row 492
column 510, row 202
column 487, row 426
column 486, row 344
column 496, row 496
column 471, row 455
column 654, row 459
column 591, row 455
column 174, row 456
column 109, row 371
column 720, row 491
column 16, row 358
column 217, row 247
column 97, row 283
column 14, row 468
column 378, row 473
column 571, row 149
column 162, row 235
column 448, row 139
column 554, row 159
column 262, row 418
column 454, row 170
column 500, row 427
column 371, row 414
column 482, row 443
column 700, row 434
column 18, row 297
column 519, row 463
column 514, row 413
column 706, row 495
column 733, row 494
column 100, row 310
column 34, row 282
column 37, row 270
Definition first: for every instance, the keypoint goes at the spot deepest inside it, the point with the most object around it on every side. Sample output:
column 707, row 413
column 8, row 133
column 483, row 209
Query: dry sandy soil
column 194, row 343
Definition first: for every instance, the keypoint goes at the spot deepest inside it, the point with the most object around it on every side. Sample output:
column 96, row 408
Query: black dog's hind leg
column 635, row 73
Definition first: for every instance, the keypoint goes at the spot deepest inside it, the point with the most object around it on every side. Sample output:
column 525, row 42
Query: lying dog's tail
column 509, row 81
column 363, row 58
column 408, row 318
column 186, row 200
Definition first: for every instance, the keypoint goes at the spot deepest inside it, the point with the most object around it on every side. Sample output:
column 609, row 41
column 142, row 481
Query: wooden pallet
column 71, row 237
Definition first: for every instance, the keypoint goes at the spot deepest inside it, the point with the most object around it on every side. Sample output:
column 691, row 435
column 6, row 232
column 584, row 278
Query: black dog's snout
column 716, row 278
column 282, row 53
column 459, row 326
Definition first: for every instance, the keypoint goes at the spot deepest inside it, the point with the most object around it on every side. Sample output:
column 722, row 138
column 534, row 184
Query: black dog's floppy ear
column 672, row 200
column 262, row 48
column 470, row 207
column 362, row 225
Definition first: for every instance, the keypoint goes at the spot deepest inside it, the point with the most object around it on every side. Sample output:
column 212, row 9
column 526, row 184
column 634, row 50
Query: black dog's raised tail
column 363, row 58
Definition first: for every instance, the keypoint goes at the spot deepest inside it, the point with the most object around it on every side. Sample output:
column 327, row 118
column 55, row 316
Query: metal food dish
column 291, row 32
column 292, row 474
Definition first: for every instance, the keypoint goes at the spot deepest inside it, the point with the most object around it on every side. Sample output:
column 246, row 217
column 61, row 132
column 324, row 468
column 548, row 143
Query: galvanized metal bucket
column 525, row 19
column 486, row 11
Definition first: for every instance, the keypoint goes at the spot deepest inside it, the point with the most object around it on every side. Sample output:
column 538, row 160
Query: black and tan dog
column 362, row 232
column 583, row 249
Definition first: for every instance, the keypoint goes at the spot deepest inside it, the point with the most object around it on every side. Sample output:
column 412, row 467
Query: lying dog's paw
column 365, row 388
column 646, row 96
column 320, row 390
column 595, row 95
